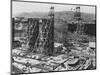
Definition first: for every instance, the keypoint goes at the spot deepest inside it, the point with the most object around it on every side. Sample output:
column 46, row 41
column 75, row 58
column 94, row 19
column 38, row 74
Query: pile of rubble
column 80, row 57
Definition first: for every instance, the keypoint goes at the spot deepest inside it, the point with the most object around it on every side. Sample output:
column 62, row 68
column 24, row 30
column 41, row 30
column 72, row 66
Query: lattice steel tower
column 78, row 18
column 45, row 43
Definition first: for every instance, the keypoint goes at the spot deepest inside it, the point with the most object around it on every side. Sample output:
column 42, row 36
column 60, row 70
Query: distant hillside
column 69, row 16
column 64, row 15
column 32, row 15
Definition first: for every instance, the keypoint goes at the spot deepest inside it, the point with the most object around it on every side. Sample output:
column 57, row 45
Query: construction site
column 38, row 46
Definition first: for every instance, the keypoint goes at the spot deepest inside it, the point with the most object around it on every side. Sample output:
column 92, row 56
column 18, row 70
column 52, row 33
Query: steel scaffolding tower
column 41, row 34
column 78, row 18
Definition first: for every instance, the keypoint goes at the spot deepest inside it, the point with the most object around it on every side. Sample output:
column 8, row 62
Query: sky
column 21, row 7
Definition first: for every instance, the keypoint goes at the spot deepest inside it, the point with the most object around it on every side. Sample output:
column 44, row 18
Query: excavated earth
column 81, row 57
